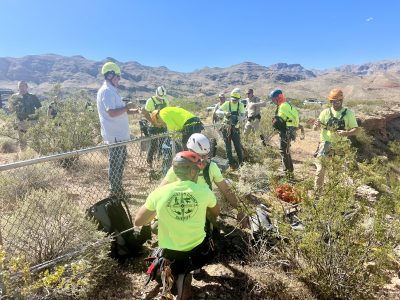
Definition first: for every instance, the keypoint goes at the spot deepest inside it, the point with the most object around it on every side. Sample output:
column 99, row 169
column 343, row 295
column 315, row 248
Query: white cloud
column 369, row 19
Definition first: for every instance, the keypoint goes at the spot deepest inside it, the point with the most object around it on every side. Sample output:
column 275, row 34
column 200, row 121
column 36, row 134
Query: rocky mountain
column 375, row 80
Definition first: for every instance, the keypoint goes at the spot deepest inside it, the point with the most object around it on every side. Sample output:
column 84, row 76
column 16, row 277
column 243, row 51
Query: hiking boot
column 184, row 286
column 199, row 274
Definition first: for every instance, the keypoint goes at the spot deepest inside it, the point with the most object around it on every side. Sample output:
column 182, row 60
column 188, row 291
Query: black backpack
column 112, row 217
column 335, row 123
column 206, row 175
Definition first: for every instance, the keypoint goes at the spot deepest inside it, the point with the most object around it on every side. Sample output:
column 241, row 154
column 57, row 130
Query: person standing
column 113, row 114
column 24, row 105
column 181, row 209
column 286, row 121
column 233, row 113
column 215, row 117
column 156, row 102
column 333, row 120
column 253, row 109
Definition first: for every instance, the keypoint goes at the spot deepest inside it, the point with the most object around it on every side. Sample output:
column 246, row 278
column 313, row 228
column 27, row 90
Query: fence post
column 173, row 152
column 2, row 287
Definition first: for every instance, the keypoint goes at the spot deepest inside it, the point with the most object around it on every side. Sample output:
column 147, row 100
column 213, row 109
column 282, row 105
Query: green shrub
column 73, row 128
column 7, row 145
column 47, row 225
column 344, row 250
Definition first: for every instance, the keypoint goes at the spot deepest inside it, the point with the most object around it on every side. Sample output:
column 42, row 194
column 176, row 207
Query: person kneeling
column 181, row 209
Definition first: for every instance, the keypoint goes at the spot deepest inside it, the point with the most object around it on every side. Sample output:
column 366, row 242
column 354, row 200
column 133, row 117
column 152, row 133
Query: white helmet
column 198, row 143
column 161, row 91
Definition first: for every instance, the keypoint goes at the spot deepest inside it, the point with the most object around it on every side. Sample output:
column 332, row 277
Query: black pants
column 155, row 144
column 184, row 262
column 191, row 126
column 232, row 134
column 284, row 151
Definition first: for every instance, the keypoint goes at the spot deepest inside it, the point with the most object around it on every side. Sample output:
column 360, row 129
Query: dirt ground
column 228, row 277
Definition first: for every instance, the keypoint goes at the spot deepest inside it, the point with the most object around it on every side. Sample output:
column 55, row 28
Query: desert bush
column 253, row 177
column 47, row 225
column 74, row 127
column 16, row 184
column 344, row 250
column 7, row 145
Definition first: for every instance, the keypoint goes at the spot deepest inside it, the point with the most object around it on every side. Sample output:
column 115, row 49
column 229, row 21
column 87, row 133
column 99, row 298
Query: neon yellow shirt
column 349, row 122
column 181, row 211
column 234, row 108
column 289, row 114
column 213, row 171
column 225, row 107
column 150, row 104
column 175, row 117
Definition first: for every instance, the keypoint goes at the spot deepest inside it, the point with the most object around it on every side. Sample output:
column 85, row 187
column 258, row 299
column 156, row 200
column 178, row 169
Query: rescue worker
column 334, row 120
column 215, row 117
column 180, row 208
column 113, row 115
column 24, row 105
column 285, row 121
column 253, row 110
column 233, row 113
column 155, row 103
column 177, row 119
column 199, row 144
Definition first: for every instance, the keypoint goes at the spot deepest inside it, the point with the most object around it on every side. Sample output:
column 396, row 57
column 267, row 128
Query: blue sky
column 188, row 35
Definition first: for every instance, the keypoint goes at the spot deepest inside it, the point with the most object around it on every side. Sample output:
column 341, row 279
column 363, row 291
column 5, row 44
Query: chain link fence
column 31, row 222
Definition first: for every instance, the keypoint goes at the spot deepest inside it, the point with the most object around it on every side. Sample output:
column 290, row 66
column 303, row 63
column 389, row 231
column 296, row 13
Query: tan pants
column 324, row 150
column 252, row 126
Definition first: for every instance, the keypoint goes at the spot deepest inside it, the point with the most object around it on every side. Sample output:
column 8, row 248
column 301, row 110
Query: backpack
column 112, row 217
column 293, row 121
column 206, row 175
column 335, row 123
column 159, row 106
column 234, row 117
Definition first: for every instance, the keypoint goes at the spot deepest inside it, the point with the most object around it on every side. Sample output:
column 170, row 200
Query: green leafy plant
column 74, row 127
column 345, row 247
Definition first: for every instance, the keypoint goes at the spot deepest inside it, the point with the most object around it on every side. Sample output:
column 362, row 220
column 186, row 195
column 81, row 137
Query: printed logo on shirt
column 182, row 206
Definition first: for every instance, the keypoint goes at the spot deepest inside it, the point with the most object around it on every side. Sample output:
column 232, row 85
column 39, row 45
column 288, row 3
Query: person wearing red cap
column 335, row 120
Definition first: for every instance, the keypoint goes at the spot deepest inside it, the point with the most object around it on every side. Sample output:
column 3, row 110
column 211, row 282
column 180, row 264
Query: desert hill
column 371, row 81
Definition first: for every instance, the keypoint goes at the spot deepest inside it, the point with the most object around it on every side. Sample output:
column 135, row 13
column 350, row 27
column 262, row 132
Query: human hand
column 317, row 124
column 228, row 114
column 342, row 132
column 130, row 105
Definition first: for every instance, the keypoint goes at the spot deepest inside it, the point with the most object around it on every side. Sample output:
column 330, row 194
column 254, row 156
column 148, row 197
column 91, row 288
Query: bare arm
column 233, row 200
column 115, row 112
column 228, row 194
column 146, row 114
column 350, row 132
column 214, row 211
column 144, row 216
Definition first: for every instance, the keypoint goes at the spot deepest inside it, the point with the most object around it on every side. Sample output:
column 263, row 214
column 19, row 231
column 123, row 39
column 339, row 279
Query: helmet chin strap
column 110, row 76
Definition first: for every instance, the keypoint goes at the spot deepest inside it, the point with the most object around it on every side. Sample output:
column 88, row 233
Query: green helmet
column 110, row 67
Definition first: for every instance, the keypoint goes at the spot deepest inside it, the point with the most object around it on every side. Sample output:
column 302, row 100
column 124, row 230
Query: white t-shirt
column 113, row 129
